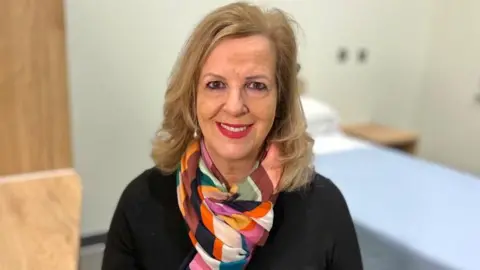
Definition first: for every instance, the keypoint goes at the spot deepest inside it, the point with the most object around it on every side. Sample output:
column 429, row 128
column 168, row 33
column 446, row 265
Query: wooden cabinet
column 383, row 135
column 34, row 109
column 40, row 193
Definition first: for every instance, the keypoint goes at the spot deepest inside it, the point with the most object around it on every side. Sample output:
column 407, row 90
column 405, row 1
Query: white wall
column 433, row 91
column 120, row 54
column 121, row 51
column 395, row 32
column 449, row 115
column 403, row 40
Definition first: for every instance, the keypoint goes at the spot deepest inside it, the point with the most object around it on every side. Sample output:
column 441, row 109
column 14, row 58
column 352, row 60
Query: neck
column 233, row 171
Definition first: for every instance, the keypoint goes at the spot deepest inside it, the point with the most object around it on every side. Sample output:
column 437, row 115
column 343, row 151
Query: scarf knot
column 226, row 222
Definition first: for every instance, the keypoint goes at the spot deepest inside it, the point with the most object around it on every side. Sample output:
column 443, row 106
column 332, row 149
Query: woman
column 233, row 186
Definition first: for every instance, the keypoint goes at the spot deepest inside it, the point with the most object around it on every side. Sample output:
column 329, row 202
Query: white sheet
column 410, row 213
column 338, row 142
column 321, row 118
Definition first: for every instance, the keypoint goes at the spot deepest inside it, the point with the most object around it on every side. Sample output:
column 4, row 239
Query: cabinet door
column 34, row 113
column 450, row 111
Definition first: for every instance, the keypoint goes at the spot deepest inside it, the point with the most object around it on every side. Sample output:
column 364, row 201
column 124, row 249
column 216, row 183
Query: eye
column 215, row 85
column 257, row 86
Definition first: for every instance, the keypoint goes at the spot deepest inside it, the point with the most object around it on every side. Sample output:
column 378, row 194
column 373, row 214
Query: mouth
column 234, row 131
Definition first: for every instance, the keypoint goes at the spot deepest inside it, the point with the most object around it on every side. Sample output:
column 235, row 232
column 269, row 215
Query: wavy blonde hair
column 289, row 129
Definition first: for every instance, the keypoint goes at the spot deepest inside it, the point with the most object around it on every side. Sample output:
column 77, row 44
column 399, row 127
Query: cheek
column 206, row 107
column 202, row 105
column 265, row 112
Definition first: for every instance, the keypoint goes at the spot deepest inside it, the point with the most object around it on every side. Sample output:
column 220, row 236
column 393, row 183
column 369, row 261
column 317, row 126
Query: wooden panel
column 380, row 134
column 34, row 114
column 39, row 206
column 383, row 135
column 40, row 221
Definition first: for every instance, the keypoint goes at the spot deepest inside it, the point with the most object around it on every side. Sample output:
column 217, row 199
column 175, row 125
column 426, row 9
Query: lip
column 234, row 134
column 235, row 125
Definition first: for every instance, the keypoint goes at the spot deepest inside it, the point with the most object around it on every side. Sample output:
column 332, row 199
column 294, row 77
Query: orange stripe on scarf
column 207, row 217
column 217, row 249
column 191, row 149
column 260, row 210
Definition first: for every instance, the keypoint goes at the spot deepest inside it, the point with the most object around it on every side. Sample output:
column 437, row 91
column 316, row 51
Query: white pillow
column 321, row 118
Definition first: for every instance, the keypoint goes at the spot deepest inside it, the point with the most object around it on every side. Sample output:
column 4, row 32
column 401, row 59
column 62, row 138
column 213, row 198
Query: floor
column 91, row 257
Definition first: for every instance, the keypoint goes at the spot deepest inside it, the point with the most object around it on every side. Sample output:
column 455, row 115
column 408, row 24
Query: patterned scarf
column 226, row 222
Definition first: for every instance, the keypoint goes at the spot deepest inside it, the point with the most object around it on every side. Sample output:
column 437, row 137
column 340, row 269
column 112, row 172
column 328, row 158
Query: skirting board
column 93, row 239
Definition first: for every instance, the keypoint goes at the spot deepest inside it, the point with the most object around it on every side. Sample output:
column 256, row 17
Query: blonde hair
column 289, row 129
column 301, row 85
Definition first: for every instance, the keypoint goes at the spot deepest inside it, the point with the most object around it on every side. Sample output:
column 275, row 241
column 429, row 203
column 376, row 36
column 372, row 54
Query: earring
column 195, row 133
column 196, row 130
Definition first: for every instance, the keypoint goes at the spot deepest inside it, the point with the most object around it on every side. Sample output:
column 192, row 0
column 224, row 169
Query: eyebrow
column 249, row 78
column 209, row 74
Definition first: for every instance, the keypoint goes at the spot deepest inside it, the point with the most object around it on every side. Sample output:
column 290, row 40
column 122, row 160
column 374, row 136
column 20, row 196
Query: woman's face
column 237, row 97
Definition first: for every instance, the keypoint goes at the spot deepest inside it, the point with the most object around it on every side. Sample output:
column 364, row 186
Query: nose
column 235, row 104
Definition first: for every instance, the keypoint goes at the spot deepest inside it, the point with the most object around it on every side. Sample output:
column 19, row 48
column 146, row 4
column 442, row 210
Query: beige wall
column 396, row 62
column 121, row 52
column 449, row 115
column 438, row 100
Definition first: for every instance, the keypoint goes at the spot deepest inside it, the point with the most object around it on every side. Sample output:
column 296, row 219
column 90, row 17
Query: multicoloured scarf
column 226, row 222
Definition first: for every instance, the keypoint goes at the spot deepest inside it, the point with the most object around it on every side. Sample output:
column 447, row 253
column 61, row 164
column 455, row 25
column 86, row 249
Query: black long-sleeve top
column 312, row 229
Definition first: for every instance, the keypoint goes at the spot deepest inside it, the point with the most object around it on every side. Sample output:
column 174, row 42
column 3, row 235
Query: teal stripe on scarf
column 236, row 265
column 213, row 181
column 205, row 180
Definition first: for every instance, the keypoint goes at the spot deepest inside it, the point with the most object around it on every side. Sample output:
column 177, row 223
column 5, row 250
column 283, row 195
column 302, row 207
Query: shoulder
column 320, row 188
column 322, row 199
column 330, row 216
column 146, row 218
column 150, row 185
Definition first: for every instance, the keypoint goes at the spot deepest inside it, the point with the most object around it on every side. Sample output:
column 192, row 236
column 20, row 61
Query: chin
column 230, row 149
column 236, row 152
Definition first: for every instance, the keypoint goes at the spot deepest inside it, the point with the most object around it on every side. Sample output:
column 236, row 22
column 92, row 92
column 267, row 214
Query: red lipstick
column 234, row 131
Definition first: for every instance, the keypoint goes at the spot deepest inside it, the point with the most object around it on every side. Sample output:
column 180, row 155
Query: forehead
column 246, row 52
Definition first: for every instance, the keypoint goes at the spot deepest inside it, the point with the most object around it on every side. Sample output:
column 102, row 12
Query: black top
column 312, row 229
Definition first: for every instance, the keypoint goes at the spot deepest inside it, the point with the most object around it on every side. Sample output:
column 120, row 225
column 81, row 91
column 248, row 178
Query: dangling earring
column 196, row 132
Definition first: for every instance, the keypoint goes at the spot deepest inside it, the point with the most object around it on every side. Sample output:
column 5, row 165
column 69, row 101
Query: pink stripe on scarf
column 206, row 157
column 198, row 264
column 220, row 209
column 253, row 236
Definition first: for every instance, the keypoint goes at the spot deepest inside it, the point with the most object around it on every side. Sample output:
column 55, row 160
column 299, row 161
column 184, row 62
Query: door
column 34, row 111
column 450, row 106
